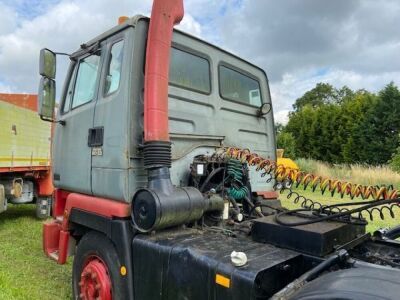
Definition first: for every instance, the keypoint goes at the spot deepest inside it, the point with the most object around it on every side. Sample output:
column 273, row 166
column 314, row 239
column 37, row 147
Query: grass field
column 25, row 272
column 356, row 173
column 360, row 174
column 323, row 199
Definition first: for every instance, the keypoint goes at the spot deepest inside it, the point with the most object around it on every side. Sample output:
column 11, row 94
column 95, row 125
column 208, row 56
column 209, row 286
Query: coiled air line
column 383, row 197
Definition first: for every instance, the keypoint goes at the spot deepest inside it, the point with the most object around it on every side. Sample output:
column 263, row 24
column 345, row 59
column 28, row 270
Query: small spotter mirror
column 47, row 63
column 47, row 98
column 264, row 109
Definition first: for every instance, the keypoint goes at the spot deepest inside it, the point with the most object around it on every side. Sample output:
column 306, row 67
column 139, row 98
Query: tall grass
column 357, row 173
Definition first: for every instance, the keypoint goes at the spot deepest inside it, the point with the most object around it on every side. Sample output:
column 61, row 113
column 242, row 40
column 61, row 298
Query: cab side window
column 68, row 96
column 189, row 71
column 237, row 86
column 86, row 78
column 114, row 68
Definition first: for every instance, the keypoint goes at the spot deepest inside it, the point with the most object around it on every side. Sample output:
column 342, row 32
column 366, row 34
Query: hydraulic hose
column 209, row 177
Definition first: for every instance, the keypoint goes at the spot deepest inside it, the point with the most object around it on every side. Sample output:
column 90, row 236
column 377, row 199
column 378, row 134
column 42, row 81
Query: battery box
column 317, row 239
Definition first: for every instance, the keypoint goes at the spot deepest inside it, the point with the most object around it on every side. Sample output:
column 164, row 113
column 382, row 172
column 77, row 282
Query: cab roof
column 132, row 22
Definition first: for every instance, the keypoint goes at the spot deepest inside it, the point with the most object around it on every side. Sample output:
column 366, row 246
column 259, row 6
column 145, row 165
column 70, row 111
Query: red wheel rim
column 95, row 282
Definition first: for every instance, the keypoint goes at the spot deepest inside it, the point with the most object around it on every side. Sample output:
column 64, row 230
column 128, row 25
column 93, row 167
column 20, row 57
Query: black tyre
column 96, row 269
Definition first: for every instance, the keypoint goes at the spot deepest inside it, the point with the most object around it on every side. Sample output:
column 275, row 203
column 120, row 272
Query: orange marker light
column 222, row 280
column 123, row 270
column 122, row 19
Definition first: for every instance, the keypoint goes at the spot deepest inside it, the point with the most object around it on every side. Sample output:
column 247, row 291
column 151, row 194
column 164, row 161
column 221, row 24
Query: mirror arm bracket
column 52, row 121
column 62, row 53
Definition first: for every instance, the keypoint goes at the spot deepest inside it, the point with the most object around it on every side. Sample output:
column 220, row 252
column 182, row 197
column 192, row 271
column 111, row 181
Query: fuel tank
column 196, row 265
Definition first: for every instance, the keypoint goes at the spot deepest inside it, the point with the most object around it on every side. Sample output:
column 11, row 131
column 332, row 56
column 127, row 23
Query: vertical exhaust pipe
column 164, row 15
column 157, row 146
column 161, row 204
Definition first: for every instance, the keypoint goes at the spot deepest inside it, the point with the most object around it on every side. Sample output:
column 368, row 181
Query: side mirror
column 47, row 98
column 264, row 109
column 47, row 86
column 47, row 63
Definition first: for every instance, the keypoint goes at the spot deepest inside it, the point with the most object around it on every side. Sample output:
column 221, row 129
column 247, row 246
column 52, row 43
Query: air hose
column 234, row 170
column 384, row 198
column 338, row 216
column 304, row 179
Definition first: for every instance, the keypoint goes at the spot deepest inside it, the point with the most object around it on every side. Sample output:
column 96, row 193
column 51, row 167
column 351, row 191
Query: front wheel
column 95, row 272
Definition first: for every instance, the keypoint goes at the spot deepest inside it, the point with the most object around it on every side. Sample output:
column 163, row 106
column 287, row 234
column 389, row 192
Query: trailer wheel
column 95, row 272
column 43, row 207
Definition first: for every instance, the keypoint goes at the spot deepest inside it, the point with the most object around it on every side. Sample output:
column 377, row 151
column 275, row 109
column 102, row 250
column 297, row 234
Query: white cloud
column 355, row 42
column 63, row 27
column 8, row 19
column 285, row 36
column 189, row 24
column 281, row 117
column 59, row 29
column 5, row 88
column 295, row 84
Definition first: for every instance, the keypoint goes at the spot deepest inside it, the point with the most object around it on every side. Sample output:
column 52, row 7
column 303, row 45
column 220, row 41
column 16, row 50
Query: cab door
column 71, row 151
column 112, row 116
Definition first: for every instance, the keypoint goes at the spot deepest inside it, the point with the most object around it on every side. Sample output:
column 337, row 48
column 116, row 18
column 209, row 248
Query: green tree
column 301, row 127
column 343, row 126
column 354, row 114
column 286, row 141
column 344, row 94
column 279, row 128
column 395, row 161
column 377, row 135
column 323, row 93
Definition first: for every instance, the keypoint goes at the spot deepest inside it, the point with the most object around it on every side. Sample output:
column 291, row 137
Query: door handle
column 95, row 136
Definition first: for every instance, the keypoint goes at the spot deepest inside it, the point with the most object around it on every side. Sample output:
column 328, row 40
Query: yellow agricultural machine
column 286, row 163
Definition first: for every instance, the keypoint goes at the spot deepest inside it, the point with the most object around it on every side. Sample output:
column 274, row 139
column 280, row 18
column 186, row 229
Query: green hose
column 234, row 170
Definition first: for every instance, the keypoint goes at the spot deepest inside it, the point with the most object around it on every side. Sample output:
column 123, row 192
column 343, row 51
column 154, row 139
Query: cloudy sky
column 299, row 43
